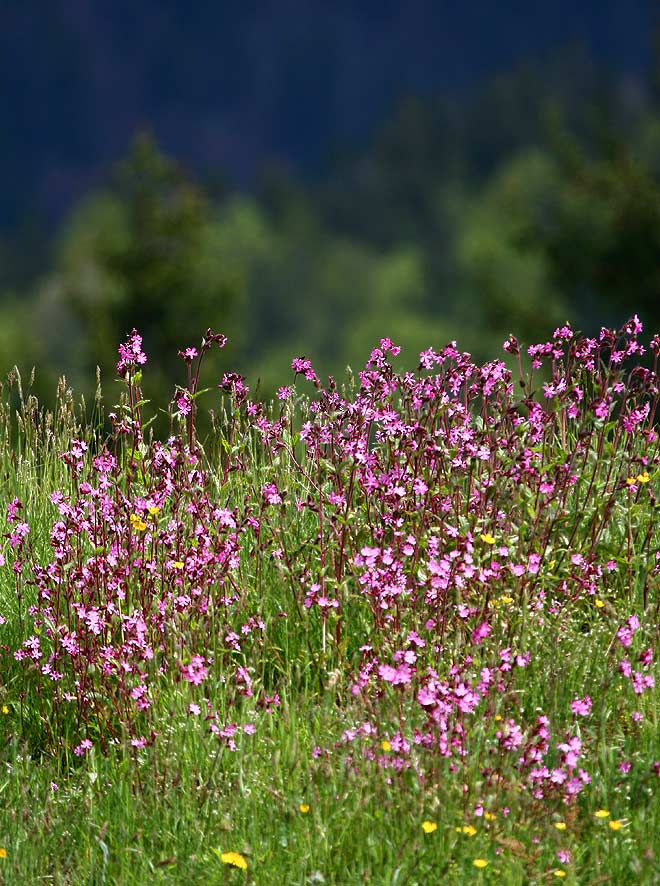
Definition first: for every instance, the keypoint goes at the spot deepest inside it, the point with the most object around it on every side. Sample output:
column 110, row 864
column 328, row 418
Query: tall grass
column 401, row 631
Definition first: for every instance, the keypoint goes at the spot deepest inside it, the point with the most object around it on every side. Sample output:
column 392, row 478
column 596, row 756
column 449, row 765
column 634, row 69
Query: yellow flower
column 560, row 873
column 487, row 538
column 3, row 853
column 602, row 813
column 138, row 523
column 643, row 478
column 497, row 718
column 490, row 816
column 560, row 825
column 467, row 829
column 154, row 510
column 631, row 481
column 385, row 746
column 304, row 808
column 480, row 863
column 506, row 600
column 615, row 824
column 5, row 709
column 599, row 604
column 177, row 564
column 234, row 858
column 429, row 826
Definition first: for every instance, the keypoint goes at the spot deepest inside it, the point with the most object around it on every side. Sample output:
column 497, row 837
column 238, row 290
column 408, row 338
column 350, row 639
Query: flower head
column 581, row 706
column 183, row 402
column 467, row 829
column 138, row 523
column 235, row 859
column 429, row 826
column 84, row 746
column 131, row 354
column 188, row 355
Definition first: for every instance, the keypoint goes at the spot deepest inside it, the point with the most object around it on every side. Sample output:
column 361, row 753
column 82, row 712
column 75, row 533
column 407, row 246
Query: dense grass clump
column 398, row 632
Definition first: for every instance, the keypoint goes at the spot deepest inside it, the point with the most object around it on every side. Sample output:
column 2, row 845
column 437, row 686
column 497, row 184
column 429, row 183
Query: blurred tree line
column 533, row 202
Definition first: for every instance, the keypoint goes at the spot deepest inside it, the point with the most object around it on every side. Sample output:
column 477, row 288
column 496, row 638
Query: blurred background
column 309, row 176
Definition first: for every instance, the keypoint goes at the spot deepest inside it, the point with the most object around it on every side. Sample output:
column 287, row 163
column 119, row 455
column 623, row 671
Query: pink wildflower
column 581, row 706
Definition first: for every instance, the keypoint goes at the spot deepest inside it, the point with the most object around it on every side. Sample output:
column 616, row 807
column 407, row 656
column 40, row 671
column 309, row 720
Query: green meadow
column 398, row 628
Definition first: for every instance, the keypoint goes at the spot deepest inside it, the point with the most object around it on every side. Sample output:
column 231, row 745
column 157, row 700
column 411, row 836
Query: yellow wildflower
column 235, row 859
column 138, row 523
column 602, row 813
column 560, row 825
column 480, row 863
column 385, row 746
column 643, row 478
column 615, row 824
column 5, row 709
column 3, row 853
column 560, row 873
column 598, row 603
column 467, row 829
column 487, row 538
column 304, row 808
column 429, row 826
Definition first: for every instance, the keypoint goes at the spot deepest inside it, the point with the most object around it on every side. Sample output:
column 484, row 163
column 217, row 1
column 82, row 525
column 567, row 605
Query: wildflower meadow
column 398, row 628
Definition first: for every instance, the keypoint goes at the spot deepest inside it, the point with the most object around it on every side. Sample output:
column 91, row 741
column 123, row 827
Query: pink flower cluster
column 420, row 529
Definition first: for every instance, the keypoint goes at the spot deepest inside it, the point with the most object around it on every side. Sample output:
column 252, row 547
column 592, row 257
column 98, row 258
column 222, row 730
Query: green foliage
column 306, row 291
column 187, row 809
column 603, row 240
column 505, row 270
column 530, row 202
column 142, row 253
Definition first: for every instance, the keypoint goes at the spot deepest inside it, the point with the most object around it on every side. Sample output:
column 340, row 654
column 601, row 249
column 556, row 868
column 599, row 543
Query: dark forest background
column 524, row 197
